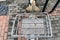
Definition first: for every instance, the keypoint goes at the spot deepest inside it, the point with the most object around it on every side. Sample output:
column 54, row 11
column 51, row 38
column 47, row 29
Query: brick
column 57, row 8
column 6, row 29
column 2, row 33
column 1, row 23
column 3, row 27
column 5, row 36
column 1, row 38
column 21, row 38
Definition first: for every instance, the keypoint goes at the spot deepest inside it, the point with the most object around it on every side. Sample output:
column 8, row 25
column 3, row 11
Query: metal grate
column 35, row 25
column 3, row 9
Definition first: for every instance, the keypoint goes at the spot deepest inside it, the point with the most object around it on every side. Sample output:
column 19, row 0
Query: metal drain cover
column 32, row 26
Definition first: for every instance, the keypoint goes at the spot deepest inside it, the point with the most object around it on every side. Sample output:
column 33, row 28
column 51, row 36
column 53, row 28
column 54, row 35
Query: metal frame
column 48, row 27
column 3, row 9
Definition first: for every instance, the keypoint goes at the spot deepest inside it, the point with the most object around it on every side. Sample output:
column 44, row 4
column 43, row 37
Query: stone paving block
column 58, row 24
column 9, row 29
column 57, row 38
column 42, row 39
column 59, row 31
column 57, row 27
column 51, row 38
column 53, row 27
column 58, row 34
column 56, row 18
column 10, row 39
column 52, row 17
column 54, row 31
column 54, row 35
column 54, row 22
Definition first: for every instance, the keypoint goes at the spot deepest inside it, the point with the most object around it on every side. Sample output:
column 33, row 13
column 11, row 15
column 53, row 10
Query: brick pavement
column 3, row 27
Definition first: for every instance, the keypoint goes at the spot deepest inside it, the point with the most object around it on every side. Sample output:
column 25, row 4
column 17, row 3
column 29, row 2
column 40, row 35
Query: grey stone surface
column 58, row 34
column 57, row 28
column 55, row 31
column 51, row 39
column 57, row 38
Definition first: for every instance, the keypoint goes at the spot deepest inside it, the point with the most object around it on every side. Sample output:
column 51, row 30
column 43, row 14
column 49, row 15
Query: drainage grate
column 33, row 26
column 3, row 9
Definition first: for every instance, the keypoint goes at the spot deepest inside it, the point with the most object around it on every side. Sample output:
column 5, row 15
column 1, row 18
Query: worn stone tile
column 58, row 34
column 57, row 38
column 53, row 28
column 42, row 39
column 54, row 31
column 57, row 27
column 52, row 17
column 56, row 18
column 51, row 38
column 54, row 35
column 54, row 22
column 59, row 31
